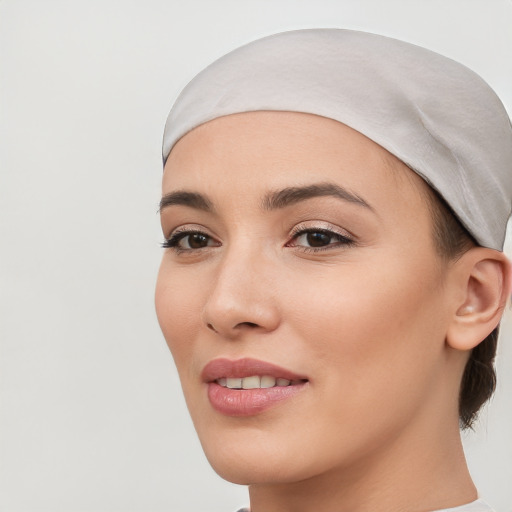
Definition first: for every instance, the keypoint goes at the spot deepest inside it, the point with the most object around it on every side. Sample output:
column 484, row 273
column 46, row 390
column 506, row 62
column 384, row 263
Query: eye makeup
column 189, row 240
column 306, row 237
column 319, row 239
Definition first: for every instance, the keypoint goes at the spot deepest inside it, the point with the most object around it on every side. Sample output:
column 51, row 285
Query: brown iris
column 318, row 239
column 197, row 240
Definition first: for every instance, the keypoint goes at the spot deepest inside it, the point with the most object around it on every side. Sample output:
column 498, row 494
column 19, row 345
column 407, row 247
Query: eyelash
column 173, row 241
column 342, row 240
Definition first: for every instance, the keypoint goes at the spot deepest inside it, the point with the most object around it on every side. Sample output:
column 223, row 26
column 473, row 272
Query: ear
column 483, row 279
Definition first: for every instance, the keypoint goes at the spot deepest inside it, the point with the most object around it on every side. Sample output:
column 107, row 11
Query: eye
column 317, row 239
column 189, row 241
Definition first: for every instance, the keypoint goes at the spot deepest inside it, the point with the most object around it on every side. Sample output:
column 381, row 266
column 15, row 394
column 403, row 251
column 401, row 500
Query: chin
column 243, row 457
column 244, row 453
column 278, row 455
column 244, row 470
column 243, row 474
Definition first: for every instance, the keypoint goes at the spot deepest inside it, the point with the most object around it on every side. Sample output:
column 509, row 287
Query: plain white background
column 92, row 417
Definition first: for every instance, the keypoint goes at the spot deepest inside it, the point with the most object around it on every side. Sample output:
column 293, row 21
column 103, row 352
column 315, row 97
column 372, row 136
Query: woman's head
column 311, row 247
column 297, row 241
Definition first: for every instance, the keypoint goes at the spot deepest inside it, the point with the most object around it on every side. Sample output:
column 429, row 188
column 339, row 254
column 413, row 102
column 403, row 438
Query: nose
column 242, row 298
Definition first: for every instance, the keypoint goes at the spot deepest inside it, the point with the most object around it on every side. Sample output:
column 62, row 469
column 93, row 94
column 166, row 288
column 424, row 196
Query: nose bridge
column 241, row 293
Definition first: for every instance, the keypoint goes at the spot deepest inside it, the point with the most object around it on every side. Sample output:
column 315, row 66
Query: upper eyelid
column 338, row 238
column 305, row 226
column 298, row 226
column 189, row 228
column 327, row 226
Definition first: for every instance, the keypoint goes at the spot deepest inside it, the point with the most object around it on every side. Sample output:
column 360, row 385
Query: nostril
column 248, row 324
column 239, row 327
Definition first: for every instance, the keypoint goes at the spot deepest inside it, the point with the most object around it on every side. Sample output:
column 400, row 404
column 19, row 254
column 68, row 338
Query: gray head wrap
column 434, row 114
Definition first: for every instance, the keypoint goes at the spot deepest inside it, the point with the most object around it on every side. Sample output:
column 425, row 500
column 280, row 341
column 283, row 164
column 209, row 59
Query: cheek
column 177, row 303
column 356, row 299
column 373, row 351
column 371, row 331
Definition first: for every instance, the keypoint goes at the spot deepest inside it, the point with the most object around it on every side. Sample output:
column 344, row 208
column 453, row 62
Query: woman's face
column 300, row 250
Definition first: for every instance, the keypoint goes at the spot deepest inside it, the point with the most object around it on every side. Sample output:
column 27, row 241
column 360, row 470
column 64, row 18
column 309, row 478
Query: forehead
column 249, row 152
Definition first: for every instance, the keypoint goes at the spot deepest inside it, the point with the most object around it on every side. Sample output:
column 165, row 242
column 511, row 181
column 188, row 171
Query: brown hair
column 479, row 379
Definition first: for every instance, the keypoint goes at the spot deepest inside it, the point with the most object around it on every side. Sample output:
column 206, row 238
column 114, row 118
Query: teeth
column 267, row 381
column 234, row 383
column 251, row 382
column 254, row 382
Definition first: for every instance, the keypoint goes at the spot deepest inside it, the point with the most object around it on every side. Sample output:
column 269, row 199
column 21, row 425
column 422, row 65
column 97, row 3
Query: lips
column 241, row 368
column 245, row 387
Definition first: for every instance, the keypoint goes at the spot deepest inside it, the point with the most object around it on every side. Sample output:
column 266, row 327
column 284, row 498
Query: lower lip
column 248, row 402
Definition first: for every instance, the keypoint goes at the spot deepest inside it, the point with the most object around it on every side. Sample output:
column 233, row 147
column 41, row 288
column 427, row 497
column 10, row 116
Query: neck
column 423, row 469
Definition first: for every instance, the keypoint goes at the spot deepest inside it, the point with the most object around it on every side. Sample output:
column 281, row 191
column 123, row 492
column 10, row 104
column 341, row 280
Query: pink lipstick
column 246, row 387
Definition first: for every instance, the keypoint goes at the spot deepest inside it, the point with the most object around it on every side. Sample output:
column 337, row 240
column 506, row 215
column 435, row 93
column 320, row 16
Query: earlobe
column 484, row 280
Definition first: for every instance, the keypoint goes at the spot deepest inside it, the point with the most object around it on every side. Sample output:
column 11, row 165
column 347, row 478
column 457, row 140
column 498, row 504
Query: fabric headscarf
column 436, row 115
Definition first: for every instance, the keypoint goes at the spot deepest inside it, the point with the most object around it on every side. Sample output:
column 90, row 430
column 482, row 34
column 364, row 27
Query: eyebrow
column 292, row 195
column 272, row 201
column 185, row 198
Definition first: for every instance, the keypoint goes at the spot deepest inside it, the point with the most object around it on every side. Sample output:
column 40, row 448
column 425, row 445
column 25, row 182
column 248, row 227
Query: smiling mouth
column 256, row 382
column 248, row 387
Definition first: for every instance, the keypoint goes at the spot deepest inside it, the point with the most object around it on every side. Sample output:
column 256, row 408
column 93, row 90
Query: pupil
column 318, row 239
column 196, row 241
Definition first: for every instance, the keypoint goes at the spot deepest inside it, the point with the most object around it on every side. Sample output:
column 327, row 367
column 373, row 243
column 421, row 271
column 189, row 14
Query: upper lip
column 246, row 367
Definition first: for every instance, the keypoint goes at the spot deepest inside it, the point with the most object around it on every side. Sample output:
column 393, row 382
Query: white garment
column 475, row 506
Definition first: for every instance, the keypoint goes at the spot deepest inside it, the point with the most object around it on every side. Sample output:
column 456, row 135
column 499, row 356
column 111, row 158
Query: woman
column 334, row 209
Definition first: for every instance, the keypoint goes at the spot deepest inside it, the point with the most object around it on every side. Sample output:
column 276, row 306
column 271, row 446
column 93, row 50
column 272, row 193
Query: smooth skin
column 379, row 323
